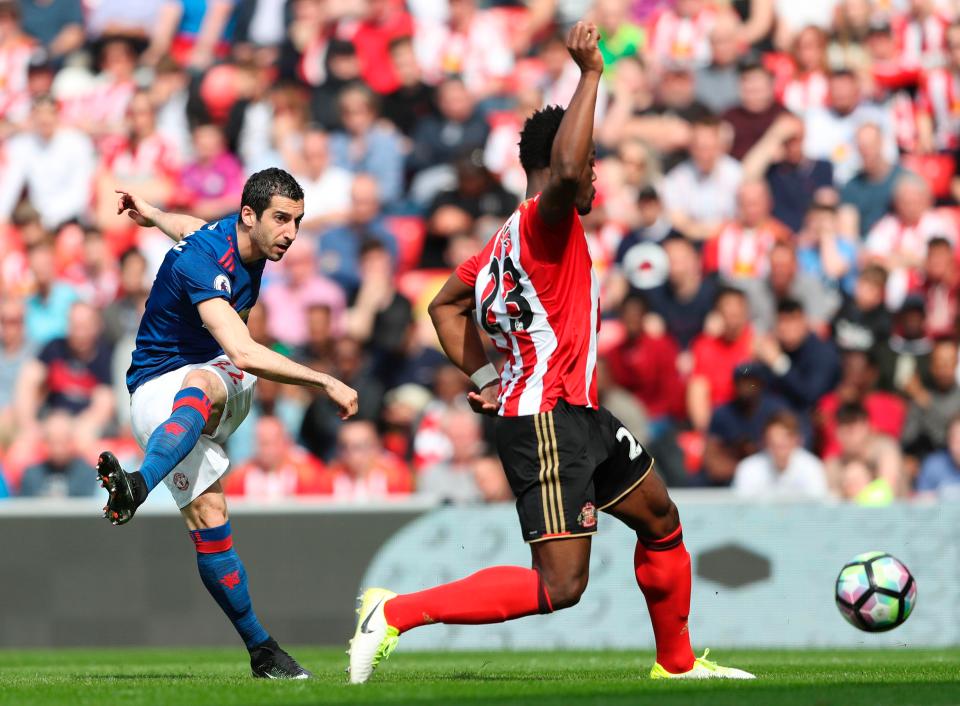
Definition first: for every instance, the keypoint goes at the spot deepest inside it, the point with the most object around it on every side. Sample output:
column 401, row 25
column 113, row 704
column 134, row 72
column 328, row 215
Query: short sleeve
column 469, row 269
column 201, row 278
column 50, row 352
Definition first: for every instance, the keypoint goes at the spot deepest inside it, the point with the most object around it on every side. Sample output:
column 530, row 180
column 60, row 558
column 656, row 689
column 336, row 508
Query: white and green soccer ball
column 875, row 592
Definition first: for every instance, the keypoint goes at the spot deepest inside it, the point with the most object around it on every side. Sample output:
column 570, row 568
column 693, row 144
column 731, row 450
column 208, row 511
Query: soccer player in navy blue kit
column 192, row 377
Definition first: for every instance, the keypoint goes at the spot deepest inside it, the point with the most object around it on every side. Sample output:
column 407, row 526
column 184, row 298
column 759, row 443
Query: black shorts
column 566, row 465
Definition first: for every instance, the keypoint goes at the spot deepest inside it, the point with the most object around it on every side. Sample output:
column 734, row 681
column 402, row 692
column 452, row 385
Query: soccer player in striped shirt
column 533, row 291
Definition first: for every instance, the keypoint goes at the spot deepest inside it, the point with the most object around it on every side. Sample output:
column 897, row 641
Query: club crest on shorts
column 222, row 283
column 588, row 516
column 180, row 480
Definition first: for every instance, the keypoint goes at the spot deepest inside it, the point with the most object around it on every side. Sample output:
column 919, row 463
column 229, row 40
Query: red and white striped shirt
column 940, row 99
column 538, row 298
column 681, row 39
column 806, row 91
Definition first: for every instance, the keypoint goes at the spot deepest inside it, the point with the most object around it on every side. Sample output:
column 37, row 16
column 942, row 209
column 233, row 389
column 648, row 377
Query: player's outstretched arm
column 573, row 142
column 451, row 312
column 226, row 326
column 174, row 225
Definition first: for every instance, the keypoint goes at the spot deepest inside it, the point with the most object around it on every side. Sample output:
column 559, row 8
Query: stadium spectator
column 61, row 473
column 93, row 272
column 711, row 174
column 366, row 146
column 500, row 154
column 941, row 288
column 471, row 43
column 195, row 34
column 932, row 405
column 793, row 179
column 652, row 224
column 363, row 470
column 681, row 32
column 141, row 159
column 937, row 120
column 904, row 358
column 801, row 366
column 858, row 387
column 211, row 183
column 755, row 112
column 380, row 315
column 299, row 288
column 736, row 428
column 859, row 442
column 646, row 365
column 171, row 97
column 786, row 280
column 53, row 163
column 100, row 108
column 382, row 22
column 71, row 374
column 341, row 69
column 940, row 471
column 807, row 87
column 822, row 251
column 121, row 317
column 48, row 306
column 454, row 480
column 412, row 100
column 784, row 468
column 57, row 26
column 741, row 248
column 718, row 83
column 727, row 342
column 339, row 248
column 273, row 400
column 863, row 321
column 16, row 50
column 326, row 187
column 15, row 356
column 687, row 296
column 278, row 469
column 869, row 194
column 899, row 240
column 831, row 130
column 121, row 17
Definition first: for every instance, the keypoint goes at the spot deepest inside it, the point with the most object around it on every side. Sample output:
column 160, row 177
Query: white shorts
column 151, row 405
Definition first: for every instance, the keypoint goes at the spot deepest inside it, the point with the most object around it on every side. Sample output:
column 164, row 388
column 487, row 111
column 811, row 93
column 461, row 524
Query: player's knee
column 206, row 511
column 565, row 591
column 664, row 519
column 208, row 383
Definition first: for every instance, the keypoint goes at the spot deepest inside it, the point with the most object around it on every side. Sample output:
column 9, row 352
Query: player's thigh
column 213, row 387
column 627, row 485
column 235, row 388
column 547, row 462
column 209, row 509
column 564, row 567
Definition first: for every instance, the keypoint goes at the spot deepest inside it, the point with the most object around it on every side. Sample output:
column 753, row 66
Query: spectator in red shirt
column 384, row 21
column 278, row 469
column 363, row 470
column 646, row 364
column 726, row 343
column 858, row 386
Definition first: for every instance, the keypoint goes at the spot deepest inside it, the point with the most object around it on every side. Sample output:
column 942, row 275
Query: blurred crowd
column 775, row 229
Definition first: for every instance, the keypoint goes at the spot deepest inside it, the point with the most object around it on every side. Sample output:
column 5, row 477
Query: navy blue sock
column 171, row 441
column 223, row 574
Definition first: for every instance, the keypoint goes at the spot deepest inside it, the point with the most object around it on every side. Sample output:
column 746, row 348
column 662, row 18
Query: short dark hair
column 728, row 291
column 536, row 138
column 939, row 241
column 851, row 412
column 264, row 185
column 784, row 419
column 788, row 305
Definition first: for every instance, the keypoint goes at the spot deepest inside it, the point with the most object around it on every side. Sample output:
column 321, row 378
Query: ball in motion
column 875, row 592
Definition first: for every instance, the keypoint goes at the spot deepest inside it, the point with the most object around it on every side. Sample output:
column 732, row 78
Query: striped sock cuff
column 674, row 539
column 194, row 398
column 212, row 540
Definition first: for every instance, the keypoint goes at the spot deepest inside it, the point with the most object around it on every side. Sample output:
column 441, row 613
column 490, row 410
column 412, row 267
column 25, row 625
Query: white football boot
column 702, row 669
column 373, row 640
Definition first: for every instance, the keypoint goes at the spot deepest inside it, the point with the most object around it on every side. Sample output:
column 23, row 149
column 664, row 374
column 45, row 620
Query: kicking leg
column 662, row 566
column 492, row 595
column 196, row 410
column 224, row 575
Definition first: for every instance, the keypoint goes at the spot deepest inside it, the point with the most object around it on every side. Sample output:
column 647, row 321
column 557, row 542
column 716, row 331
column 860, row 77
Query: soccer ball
column 875, row 592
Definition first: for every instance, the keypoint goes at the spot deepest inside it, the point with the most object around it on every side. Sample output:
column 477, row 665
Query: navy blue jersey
column 204, row 265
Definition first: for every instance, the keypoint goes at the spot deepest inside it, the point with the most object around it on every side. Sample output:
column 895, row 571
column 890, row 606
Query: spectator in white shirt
column 831, row 131
column 56, row 165
column 701, row 192
column 784, row 468
column 326, row 188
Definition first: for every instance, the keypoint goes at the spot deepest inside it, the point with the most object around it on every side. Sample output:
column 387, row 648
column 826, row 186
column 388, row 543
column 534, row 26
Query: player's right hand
column 344, row 396
column 135, row 207
column 583, row 45
column 486, row 401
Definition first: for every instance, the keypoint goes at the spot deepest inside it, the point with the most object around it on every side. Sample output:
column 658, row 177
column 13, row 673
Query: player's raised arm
column 174, row 225
column 451, row 312
column 226, row 326
column 573, row 145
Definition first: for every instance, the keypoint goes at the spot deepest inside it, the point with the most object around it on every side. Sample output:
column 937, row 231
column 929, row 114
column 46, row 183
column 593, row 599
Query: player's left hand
column 485, row 401
column 344, row 396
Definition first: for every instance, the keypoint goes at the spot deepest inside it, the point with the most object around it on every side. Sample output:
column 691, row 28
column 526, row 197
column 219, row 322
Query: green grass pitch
column 215, row 677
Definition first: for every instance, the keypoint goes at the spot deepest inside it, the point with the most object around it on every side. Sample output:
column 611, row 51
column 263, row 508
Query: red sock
column 488, row 596
column 663, row 574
